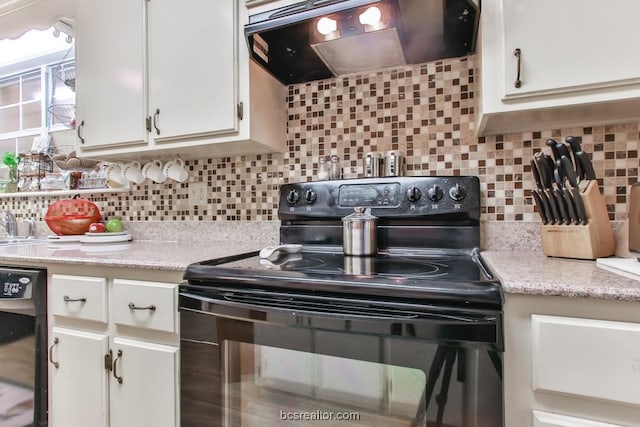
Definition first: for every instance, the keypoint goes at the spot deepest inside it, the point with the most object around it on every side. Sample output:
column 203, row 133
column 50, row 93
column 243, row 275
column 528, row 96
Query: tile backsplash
column 427, row 111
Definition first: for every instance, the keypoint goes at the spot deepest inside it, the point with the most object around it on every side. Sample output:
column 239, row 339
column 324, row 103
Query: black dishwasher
column 23, row 341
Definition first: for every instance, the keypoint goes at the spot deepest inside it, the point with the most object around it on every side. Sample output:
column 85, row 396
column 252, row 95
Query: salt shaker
column 335, row 172
column 323, row 173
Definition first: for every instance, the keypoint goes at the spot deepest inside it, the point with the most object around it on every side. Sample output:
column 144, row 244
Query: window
column 37, row 86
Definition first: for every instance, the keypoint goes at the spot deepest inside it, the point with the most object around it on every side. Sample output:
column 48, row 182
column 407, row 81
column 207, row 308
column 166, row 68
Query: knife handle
column 542, row 210
column 562, row 206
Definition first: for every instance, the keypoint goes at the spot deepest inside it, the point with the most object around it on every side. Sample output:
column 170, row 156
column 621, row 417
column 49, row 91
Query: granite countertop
column 521, row 272
column 153, row 255
column 533, row 273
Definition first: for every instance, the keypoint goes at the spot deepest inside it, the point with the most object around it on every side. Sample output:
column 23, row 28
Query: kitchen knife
column 575, row 144
column 583, row 162
column 554, row 170
column 545, row 172
column 541, row 207
column 544, row 205
column 581, row 211
column 571, row 207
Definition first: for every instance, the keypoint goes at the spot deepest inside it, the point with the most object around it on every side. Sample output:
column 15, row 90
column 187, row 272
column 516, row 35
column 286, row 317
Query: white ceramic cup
column 153, row 171
column 133, row 172
column 114, row 173
column 175, row 170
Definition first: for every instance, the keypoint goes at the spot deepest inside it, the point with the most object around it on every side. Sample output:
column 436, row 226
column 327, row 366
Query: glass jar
column 335, row 171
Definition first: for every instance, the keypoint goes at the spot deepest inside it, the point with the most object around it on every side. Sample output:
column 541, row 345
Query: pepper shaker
column 335, row 171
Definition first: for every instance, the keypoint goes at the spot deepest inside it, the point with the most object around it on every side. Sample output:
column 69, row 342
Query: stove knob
column 293, row 197
column 457, row 193
column 310, row 196
column 435, row 193
column 413, row 194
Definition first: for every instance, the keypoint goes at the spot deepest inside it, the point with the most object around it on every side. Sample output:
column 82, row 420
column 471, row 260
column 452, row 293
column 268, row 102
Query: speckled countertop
column 533, row 273
column 521, row 272
column 154, row 255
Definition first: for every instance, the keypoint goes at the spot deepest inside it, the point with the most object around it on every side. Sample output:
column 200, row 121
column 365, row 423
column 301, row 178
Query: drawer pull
column 132, row 306
column 67, row 299
column 53, row 362
column 518, row 82
column 115, row 365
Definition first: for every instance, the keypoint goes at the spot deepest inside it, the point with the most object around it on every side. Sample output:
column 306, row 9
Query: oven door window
column 273, row 375
column 17, row 369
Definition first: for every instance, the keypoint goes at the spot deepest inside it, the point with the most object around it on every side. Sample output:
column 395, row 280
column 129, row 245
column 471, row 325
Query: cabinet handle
column 80, row 126
column 518, row 82
column 67, row 299
column 155, row 121
column 132, row 306
column 53, row 362
column 115, row 365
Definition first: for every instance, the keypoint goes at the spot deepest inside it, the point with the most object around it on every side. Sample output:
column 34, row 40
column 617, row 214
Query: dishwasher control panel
column 16, row 284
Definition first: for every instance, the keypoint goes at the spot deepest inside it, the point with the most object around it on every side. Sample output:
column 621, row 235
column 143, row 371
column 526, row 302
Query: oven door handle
column 259, row 312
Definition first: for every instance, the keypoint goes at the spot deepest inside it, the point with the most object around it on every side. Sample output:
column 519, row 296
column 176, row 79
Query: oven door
column 261, row 358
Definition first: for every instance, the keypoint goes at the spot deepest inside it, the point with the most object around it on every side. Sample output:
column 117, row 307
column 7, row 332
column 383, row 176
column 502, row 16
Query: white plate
column 65, row 239
column 110, row 233
column 106, row 237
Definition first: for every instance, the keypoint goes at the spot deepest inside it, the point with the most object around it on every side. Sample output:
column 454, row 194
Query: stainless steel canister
column 394, row 163
column 359, row 233
column 373, row 164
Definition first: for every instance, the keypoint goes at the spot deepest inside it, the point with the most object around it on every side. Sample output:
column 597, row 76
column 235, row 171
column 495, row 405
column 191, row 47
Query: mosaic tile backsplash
column 427, row 111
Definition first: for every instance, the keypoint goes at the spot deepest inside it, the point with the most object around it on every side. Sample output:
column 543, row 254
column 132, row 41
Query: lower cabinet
column 571, row 362
column 119, row 369
column 78, row 380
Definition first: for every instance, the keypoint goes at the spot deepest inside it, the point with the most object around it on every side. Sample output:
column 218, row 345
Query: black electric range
column 428, row 233
column 409, row 337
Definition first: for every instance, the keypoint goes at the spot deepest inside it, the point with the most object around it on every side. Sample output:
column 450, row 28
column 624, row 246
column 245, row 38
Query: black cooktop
column 456, row 276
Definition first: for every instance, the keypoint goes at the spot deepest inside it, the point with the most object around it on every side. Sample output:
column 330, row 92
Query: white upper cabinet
column 110, row 78
column 161, row 77
column 193, row 69
column 578, row 64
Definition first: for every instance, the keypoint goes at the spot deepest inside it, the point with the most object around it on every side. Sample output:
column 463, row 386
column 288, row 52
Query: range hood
column 319, row 39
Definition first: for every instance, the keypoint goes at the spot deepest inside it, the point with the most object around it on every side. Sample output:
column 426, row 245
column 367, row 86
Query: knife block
column 585, row 241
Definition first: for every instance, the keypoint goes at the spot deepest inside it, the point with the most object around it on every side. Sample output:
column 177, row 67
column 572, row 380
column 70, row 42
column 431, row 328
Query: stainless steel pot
column 359, row 233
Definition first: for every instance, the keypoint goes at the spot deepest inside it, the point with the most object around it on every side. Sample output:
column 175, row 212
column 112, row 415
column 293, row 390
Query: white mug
column 175, row 170
column 133, row 173
column 153, row 171
column 114, row 173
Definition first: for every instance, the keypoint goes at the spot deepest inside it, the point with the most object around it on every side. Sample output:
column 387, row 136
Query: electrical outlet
column 197, row 193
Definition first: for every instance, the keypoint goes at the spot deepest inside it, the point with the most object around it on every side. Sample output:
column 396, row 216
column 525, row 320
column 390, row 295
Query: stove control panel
column 387, row 197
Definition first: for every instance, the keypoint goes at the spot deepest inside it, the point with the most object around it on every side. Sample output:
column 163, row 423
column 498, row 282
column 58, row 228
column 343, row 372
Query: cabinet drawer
column 78, row 297
column 585, row 357
column 547, row 419
column 149, row 305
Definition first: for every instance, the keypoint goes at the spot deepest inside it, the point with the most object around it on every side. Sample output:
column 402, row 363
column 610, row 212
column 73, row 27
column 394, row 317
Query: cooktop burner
column 384, row 264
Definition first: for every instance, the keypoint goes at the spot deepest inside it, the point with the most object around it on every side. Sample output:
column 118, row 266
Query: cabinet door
column 570, row 45
column 110, row 82
column 78, row 385
column 192, row 67
column 148, row 394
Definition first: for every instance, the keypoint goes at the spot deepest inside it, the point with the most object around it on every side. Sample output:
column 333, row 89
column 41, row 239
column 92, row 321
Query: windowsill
column 64, row 192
